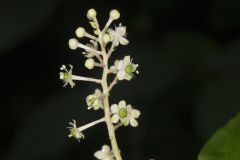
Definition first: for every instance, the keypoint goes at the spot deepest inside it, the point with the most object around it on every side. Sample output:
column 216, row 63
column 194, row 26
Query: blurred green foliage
column 224, row 144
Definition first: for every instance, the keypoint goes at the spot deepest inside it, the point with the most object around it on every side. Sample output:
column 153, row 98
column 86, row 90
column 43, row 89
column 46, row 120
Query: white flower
column 93, row 45
column 74, row 132
column 66, row 76
column 90, row 63
column 95, row 100
column 104, row 154
column 118, row 35
column 124, row 68
column 125, row 114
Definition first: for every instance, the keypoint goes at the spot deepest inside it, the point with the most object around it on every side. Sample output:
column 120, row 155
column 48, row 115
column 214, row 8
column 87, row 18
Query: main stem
column 111, row 130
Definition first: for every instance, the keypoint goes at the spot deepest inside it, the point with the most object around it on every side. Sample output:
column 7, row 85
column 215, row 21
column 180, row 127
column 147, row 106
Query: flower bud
column 89, row 63
column 92, row 101
column 114, row 14
column 91, row 14
column 106, row 38
column 73, row 43
column 80, row 32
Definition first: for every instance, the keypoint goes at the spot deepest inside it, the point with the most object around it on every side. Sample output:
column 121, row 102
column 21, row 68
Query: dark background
column 188, row 86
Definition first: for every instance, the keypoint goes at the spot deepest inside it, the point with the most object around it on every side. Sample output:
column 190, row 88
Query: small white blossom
column 74, row 132
column 66, row 76
column 93, row 45
column 90, row 63
column 124, row 113
column 124, row 68
column 118, row 35
column 104, row 154
column 95, row 100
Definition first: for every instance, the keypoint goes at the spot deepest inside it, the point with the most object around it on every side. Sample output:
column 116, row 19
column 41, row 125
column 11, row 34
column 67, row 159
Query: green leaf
column 224, row 144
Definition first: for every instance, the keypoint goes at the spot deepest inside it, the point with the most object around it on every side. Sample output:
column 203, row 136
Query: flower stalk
column 86, row 126
column 81, row 78
column 114, row 82
column 115, row 115
column 111, row 130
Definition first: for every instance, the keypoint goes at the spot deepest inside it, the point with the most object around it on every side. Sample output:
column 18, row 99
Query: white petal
column 99, row 155
column 115, row 118
column 135, row 113
column 111, row 32
column 116, row 42
column 128, row 77
column 114, row 108
column 120, row 65
column 109, row 158
column 116, row 62
column 122, row 104
column 105, row 148
column 121, row 31
column 125, row 121
column 127, row 59
column 123, row 41
column 120, row 75
column 129, row 107
column 133, row 122
column 113, row 69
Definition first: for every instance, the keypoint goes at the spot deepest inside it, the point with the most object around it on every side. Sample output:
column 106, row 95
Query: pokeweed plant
column 101, row 45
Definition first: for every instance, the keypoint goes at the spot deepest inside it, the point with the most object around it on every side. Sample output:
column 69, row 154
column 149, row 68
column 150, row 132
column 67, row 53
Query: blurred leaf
column 216, row 101
column 218, row 96
column 224, row 144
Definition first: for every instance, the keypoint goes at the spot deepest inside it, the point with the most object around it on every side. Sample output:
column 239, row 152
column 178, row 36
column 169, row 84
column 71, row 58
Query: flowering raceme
column 98, row 50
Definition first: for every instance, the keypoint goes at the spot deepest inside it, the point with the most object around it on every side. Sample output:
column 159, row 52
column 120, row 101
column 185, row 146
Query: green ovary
column 73, row 132
column 65, row 76
column 122, row 113
column 129, row 69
